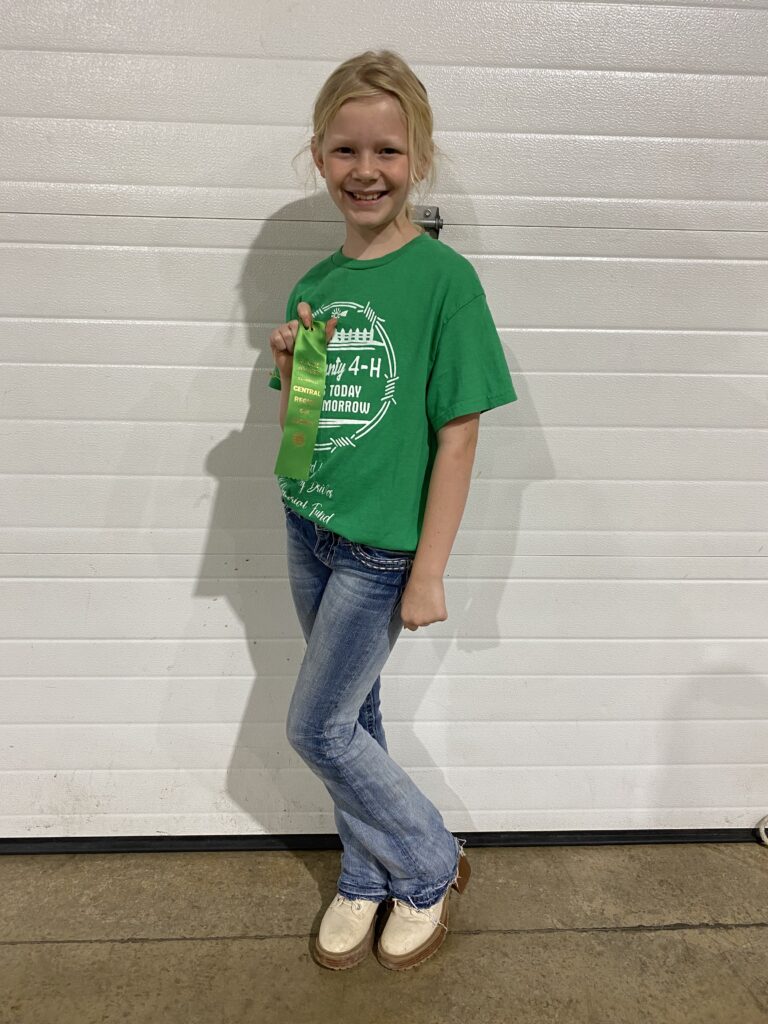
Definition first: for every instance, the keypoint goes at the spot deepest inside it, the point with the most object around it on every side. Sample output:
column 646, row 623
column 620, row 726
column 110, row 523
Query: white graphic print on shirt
column 360, row 383
column 361, row 375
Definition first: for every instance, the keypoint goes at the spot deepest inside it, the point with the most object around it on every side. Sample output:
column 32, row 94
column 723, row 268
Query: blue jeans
column 347, row 597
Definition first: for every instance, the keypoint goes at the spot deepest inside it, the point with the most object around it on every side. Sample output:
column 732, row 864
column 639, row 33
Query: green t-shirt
column 415, row 346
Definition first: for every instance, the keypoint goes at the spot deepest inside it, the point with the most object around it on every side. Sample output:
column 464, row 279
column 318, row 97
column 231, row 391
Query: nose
column 365, row 167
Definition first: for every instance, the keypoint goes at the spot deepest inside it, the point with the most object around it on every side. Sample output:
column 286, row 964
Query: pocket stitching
column 381, row 562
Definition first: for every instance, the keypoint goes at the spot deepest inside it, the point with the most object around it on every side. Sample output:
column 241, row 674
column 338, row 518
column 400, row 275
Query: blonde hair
column 371, row 74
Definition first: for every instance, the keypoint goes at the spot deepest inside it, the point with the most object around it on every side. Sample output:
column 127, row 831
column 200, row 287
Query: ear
column 317, row 155
column 419, row 172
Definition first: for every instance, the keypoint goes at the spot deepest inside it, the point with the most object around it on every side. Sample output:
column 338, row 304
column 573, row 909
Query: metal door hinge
column 428, row 217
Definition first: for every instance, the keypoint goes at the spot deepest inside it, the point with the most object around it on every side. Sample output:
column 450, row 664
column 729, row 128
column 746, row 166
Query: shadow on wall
column 244, row 562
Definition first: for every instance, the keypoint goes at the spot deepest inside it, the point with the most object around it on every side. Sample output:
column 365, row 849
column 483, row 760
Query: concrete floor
column 601, row 935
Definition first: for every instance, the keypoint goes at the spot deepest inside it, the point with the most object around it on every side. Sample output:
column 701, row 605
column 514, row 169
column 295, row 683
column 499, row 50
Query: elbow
column 459, row 436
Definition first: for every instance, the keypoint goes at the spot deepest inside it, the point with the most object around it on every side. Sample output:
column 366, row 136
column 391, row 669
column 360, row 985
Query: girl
column 413, row 359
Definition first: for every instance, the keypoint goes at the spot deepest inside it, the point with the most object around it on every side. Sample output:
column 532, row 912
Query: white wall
column 604, row 660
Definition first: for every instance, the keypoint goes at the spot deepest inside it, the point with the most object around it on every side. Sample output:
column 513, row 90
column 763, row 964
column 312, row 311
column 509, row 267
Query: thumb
column 330, row 327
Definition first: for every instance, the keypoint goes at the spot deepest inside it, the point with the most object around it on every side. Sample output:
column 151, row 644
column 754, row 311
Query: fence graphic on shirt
column 361, row 375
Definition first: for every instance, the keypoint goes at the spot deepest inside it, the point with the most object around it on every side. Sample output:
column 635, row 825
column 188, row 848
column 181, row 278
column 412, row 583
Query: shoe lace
column 346, row 902
column 415, row 911
column 343, row 901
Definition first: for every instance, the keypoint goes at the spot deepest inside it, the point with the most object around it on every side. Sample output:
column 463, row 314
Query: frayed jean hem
column 428, row 897
column 423, row 898
column 358, row 896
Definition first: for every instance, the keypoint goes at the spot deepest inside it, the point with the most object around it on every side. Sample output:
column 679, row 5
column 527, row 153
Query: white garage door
column 604, row 660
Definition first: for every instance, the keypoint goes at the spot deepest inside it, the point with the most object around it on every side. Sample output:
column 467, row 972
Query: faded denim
column 347, row 598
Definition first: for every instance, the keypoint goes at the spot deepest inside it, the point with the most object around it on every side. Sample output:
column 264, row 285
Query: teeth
column 369, row 196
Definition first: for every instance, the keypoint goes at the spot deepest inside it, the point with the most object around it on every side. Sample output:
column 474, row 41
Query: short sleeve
column 274, row 379
column 469, row 372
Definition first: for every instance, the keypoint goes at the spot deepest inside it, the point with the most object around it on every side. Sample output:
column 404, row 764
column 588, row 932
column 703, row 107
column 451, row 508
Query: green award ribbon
column 304, row 402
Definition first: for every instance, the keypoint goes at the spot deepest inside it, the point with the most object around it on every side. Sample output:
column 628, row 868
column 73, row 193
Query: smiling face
column 365, row 149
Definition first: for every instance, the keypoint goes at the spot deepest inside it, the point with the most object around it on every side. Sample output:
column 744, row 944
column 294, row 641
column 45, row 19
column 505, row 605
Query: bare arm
column 447, row 496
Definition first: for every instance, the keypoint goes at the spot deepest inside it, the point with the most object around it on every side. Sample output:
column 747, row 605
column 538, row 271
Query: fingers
column 305, row 313
column 283, row 338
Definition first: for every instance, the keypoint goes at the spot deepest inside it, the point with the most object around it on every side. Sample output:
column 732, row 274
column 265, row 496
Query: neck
column 368, row 246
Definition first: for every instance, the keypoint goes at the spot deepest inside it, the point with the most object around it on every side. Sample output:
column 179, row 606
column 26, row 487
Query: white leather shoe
column 412, row 934
column 346, row 932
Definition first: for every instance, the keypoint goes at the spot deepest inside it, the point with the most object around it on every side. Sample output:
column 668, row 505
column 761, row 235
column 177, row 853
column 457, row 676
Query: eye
column 386, row 149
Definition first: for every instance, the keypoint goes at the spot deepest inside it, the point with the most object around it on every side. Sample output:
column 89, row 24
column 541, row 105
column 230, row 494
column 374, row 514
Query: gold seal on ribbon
column 305, row 401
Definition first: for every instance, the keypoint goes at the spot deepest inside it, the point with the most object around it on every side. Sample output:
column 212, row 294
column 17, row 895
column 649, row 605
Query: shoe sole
column 405, row 961
column 350, row 957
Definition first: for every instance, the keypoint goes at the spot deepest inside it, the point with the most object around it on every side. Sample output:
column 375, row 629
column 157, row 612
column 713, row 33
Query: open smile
column 370, row 199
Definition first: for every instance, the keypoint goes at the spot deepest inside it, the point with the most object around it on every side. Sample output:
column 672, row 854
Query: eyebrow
column 381, row 142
